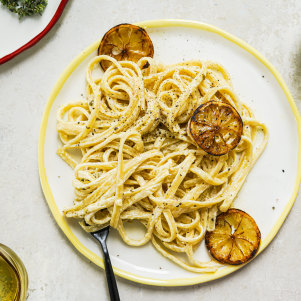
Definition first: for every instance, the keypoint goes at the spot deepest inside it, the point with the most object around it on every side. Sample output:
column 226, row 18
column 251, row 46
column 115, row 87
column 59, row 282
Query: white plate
column 271, row 186
column 22, row 31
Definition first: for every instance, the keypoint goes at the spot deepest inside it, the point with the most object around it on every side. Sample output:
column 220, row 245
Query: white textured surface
column 58, row 272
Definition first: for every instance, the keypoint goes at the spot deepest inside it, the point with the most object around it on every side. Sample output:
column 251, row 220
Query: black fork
column 101, row 236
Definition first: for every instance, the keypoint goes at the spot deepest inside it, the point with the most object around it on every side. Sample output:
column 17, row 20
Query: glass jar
column 13, row 276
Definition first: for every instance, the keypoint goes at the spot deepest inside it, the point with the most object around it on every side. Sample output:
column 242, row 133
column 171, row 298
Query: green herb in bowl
column 25, row 7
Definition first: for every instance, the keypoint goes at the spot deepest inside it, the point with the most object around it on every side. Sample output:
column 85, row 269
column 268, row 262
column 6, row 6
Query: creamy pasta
column 137, row 161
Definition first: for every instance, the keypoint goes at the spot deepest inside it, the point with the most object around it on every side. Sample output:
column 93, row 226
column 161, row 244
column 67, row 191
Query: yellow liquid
column 9, row 283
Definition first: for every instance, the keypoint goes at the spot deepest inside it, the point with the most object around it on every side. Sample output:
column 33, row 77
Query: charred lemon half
column 216, row 127
column 235, row 239
column 125, row 42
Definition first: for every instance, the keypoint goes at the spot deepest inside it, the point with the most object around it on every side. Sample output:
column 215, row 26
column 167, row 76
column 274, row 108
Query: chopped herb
column 25, row 7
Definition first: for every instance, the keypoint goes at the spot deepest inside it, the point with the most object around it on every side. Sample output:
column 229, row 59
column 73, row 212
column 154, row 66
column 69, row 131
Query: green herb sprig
column 25, row 7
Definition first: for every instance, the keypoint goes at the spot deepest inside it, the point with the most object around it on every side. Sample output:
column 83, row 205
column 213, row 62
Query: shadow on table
column 296, row 77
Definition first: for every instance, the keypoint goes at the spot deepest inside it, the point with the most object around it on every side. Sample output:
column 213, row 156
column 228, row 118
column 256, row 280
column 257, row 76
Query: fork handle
column 112, row 285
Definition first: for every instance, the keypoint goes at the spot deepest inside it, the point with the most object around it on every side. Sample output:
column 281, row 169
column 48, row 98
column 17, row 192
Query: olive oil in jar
column 13, row 276
column 9, row 281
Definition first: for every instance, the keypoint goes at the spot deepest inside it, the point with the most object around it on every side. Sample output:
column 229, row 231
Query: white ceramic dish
column 23, row 33
column 270, row 189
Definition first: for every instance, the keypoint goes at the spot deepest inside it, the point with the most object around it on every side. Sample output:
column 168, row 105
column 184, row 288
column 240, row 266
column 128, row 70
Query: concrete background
column 56, row 270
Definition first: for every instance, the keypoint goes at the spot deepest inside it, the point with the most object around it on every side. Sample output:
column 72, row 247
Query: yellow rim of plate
column 61, row 221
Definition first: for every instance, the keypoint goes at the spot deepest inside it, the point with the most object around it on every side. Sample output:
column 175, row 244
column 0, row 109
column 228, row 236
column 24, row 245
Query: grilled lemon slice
column 216, row 127
column 235, row 239
column 125, row 42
